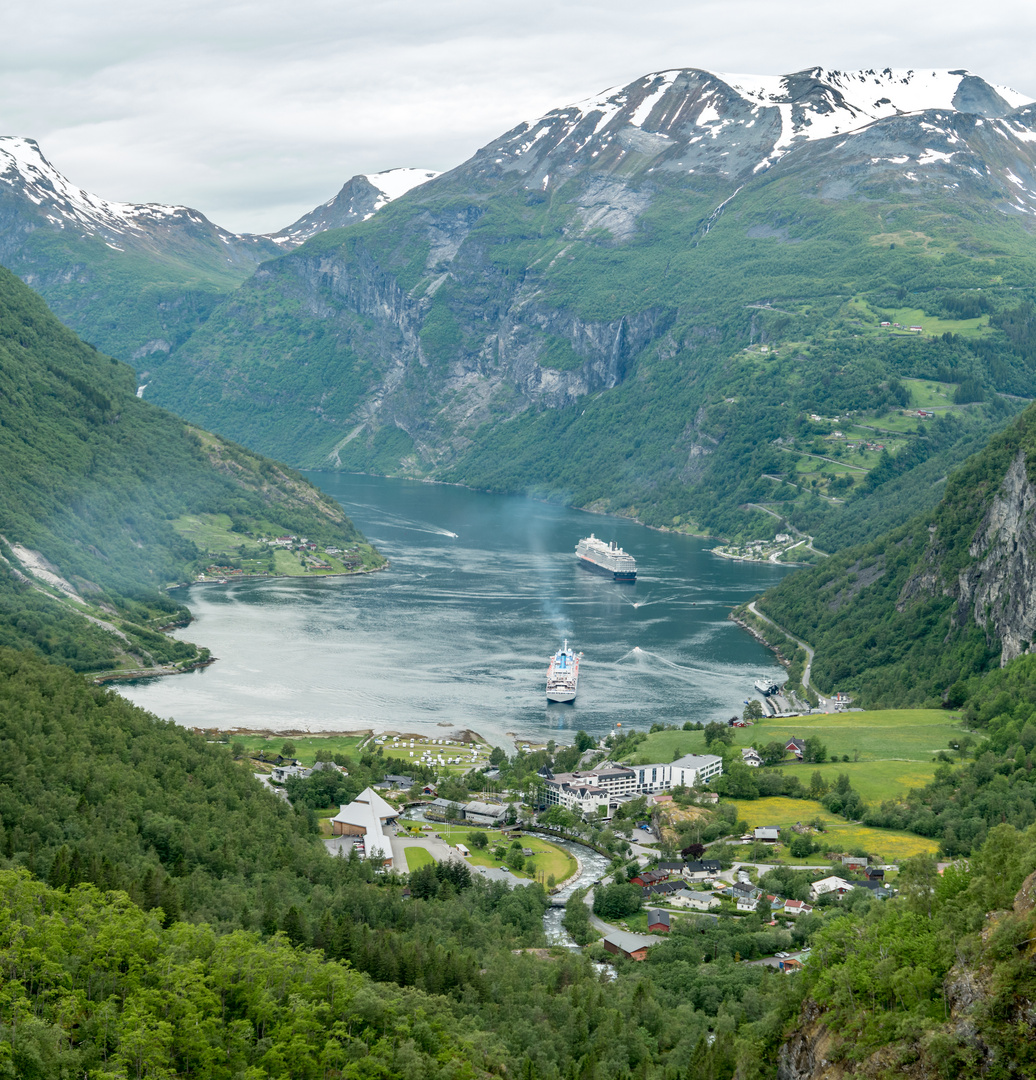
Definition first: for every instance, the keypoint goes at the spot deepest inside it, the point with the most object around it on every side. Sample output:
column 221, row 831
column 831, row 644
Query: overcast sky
column 254, row 112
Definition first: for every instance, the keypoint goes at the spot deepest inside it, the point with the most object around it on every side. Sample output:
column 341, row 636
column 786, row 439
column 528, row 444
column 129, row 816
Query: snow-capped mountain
column 360, row 198
column 688, row 120
column 629, row 234
column 28, row 174
column 160, row 267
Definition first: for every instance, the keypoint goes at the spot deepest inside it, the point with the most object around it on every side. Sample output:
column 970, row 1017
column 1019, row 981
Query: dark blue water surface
column 481, row 590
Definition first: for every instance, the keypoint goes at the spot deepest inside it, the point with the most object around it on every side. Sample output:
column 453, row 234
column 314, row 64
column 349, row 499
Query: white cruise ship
column 607, row 559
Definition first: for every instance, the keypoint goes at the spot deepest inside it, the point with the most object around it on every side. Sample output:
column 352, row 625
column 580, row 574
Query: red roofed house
column 658, row 922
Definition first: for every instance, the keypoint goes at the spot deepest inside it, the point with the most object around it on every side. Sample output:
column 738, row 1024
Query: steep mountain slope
column 94, row 483
column 136, row 279
column 906, row 617
column 629, row 300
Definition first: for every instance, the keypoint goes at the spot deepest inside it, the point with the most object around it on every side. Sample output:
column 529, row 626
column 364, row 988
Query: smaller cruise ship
column 563, row 675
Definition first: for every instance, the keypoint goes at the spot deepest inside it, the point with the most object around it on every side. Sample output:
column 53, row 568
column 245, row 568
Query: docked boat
column 608, row 559
column 563, row 675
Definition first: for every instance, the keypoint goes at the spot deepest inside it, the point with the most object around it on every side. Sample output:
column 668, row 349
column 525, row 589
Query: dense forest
column 93, row 479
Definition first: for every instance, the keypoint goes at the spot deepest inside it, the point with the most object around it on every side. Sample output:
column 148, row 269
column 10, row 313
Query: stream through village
column 592, row 866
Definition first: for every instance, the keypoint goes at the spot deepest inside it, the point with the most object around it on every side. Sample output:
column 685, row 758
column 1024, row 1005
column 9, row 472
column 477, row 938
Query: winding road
column 809, row 652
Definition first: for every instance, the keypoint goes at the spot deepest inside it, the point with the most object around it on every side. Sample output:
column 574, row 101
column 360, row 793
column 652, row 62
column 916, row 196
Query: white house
column 827, row 885
column 698, row 901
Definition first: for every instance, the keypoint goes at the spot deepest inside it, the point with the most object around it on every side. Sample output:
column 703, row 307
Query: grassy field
column 929, row 393
column 894, row 747
column 971, row 328
column 410, row 747
column 547, row 858
column 416, row 857
column 891, row 844
column 212, row 533
column 306, row 746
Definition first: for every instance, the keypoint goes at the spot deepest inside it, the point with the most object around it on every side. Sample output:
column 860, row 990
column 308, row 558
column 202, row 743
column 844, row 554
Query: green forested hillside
column 887, row 618
column 699, row 419
column 92, row 479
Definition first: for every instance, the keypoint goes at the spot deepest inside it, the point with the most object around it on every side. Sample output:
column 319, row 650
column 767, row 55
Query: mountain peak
column 24, row 166
column 360, row 198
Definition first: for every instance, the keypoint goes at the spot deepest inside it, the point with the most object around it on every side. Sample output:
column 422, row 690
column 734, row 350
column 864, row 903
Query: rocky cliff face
column 998, row 590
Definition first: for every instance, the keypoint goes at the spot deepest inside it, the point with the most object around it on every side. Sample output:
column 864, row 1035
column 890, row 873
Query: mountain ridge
column 137, row 278
column 97, row 490
column 906, row 618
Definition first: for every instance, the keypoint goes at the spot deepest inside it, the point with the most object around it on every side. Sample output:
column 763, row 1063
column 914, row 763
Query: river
column 458, row 632
column 592, row 866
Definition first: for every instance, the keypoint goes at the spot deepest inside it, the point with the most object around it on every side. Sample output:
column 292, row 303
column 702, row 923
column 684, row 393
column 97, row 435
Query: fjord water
column 481, row 590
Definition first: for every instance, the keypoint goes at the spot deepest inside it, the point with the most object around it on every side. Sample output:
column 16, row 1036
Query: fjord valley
column 100, row 494
column 668, row 301
column 713, row 303
column 672, row 300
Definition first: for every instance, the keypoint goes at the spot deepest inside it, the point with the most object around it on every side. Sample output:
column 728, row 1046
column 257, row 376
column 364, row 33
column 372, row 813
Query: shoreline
column 276, row 577
column 102, row 678
column 750, row 558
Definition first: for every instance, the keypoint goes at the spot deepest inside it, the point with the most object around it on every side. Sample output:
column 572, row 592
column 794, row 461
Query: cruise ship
column 563, row 675
column 608, row 559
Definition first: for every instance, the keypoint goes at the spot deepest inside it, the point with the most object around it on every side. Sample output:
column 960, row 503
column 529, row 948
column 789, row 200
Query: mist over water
column 481, row 591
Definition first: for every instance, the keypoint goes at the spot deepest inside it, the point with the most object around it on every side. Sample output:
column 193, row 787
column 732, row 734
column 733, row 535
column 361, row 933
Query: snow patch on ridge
column 813, row 104
column 392, row 183
column 22, row 162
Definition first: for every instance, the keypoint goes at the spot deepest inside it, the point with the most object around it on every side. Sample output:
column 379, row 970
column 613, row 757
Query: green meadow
column 306, row 746
column 839, row 835
column 890, row 751
column 547, row 859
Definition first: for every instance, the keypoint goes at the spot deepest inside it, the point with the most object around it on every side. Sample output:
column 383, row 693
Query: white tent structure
column 366, row 816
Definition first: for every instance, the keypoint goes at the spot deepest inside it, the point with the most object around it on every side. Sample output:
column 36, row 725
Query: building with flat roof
column 692, row 770
column 481, row 813
column 585, row 791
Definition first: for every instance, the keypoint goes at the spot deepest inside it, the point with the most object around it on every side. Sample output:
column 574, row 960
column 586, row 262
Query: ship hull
column 604, row 571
